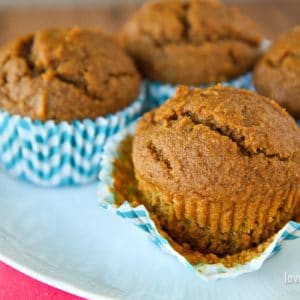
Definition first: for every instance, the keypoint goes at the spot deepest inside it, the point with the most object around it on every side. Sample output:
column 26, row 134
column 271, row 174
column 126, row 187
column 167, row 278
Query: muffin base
column 210, row 228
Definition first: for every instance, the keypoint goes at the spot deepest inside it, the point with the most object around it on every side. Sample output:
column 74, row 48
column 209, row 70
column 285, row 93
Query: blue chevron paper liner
column 50, row 154
column 160, row 92
column 140, row 217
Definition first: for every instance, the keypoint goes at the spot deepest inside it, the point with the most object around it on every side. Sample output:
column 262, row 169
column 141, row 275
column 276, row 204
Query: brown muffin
column 277, row 75
column 65, row 75
column 219, row 167
column 191, row 42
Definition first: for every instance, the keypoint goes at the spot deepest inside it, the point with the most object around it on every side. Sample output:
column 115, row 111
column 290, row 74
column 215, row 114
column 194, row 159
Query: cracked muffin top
column 277, row 75
column 191, row 42
column 65, row 75
column 217, row 142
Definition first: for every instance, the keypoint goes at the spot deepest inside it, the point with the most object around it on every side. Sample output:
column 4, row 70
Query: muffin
column 63, row 92
column 219, row 167
column 191, row 42
column 66, row 75
column 277, row 74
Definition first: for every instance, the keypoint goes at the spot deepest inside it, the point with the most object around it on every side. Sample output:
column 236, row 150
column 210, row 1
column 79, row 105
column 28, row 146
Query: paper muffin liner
column 160, row 92
column 140, row 217
column 50, row 154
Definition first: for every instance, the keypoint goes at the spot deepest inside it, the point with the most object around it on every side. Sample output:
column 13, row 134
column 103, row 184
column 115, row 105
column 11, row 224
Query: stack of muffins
column 219, row 167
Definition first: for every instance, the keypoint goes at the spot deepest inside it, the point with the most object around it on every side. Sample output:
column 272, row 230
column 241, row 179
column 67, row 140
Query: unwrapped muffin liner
column 52, row 154
column 140, row 217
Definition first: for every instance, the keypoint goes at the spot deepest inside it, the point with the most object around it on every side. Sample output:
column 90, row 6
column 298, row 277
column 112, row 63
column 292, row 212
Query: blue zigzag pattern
column 160, row 92
column 51, row 154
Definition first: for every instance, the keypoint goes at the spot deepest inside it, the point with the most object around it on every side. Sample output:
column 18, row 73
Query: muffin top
column 191, row 42
column 217, row 142
column 65, row 75
column 277, row 74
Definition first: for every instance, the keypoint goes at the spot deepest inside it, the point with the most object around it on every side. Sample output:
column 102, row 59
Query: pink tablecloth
column 15, row 285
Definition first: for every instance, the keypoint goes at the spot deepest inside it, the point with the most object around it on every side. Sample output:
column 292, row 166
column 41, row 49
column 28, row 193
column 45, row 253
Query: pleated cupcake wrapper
column 160, row 92
column 139, row 216
column 50, row 154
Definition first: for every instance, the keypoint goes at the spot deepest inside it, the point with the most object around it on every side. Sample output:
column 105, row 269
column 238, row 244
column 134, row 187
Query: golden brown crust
column 191, row 42
column 220, row 167
column 66, row 74
column 125, row 188
column 277, row 75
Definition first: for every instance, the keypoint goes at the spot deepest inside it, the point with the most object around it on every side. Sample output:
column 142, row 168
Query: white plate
column 63, row 238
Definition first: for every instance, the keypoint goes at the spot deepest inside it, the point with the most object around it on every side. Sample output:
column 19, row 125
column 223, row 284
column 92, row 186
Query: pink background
column 15, row 285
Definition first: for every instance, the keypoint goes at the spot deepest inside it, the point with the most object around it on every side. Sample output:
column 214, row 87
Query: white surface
column 62, row 237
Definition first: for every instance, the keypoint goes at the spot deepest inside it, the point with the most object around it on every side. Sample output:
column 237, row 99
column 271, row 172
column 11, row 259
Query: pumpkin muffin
column 65, row 75
column 277, row 75
column 191, row 42
column 219, row 167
